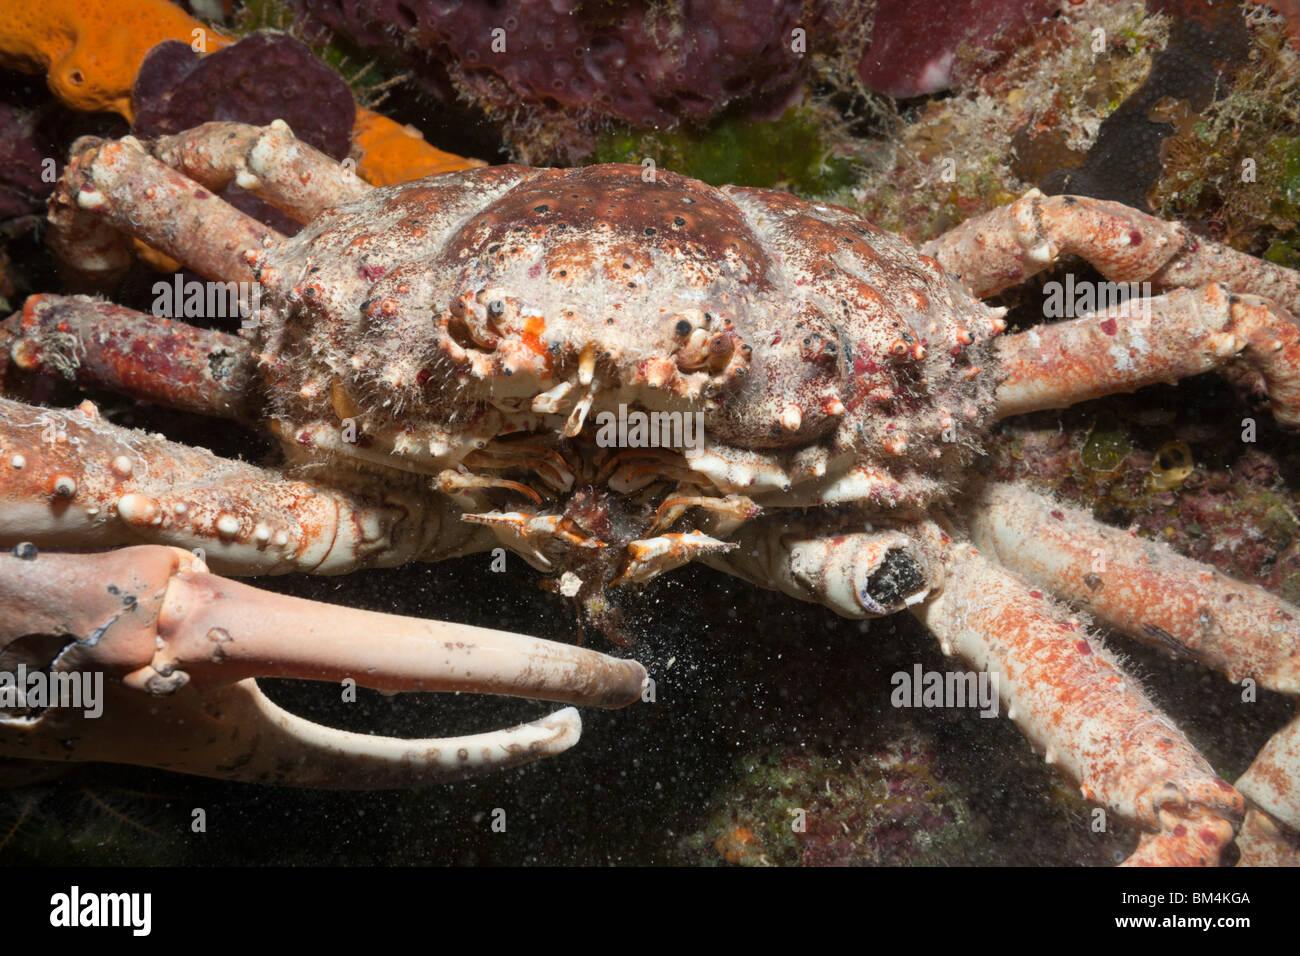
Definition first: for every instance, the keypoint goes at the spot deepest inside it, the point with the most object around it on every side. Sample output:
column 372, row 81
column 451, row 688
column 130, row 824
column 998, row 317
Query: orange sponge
column 91, row 50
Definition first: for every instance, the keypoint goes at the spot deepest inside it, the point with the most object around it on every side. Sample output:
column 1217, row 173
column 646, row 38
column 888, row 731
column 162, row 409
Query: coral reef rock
column 551, row 71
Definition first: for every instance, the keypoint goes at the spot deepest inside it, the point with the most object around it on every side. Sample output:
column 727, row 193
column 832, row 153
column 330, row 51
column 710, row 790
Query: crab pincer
column 179, row 650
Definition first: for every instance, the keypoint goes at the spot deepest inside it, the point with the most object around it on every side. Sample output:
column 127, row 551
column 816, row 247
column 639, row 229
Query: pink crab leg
column 1183, row 333
column 856, row 574
column 102, row 345
column 1144, row 589
column 178, row 647
column 1269, row 783
column 1262, row 842
column 116, row 185
column 1071, row 699
column 267, row 161
column 1009, row 244
column 69, row 480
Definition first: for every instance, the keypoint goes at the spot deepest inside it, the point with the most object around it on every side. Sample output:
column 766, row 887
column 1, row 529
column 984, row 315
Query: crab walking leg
column 1262, row 842
column 68, row 480
column 178, row 648
column 116, row 185
column 1144, row 589
column 1071, row 699
column 1162, row 339
column 101, row 345
column 1009, row 244
column 1141, row 588
column 1269, row 783
column 856, row 574
column 267, row 161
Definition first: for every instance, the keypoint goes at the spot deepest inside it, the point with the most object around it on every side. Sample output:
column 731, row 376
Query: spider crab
column 436, row 359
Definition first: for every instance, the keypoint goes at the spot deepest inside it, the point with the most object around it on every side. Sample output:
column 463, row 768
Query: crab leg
column 267, row 161
column 1062, row 688
column 69, row 480
column 102, row 345
column 1009, row 244
column 1183, row 333
column 1071, row 699
column 1269, row 782
column 1262, row 842
column 116, row 187
column 178, row 649
column 855, row 574
column 1143, row 589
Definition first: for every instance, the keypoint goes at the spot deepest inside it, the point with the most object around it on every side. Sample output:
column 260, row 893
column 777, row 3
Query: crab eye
column 683, row 328
column 496, row 308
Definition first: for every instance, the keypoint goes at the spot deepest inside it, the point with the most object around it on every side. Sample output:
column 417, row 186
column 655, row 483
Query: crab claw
column 176, row 651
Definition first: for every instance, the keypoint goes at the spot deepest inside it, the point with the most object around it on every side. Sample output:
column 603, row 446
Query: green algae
column 888, row 807
column 1106, row 448
column 792, row 152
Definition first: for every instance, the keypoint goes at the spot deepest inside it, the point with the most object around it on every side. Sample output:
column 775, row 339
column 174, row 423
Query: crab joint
column 861, row 575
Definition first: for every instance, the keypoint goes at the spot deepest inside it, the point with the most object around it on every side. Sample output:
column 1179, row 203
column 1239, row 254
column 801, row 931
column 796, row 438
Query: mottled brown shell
column 788, row 323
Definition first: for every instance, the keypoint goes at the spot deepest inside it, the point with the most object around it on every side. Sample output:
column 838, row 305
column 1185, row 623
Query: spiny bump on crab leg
column 116, row 184
column 267, row 161
column 180, row 648
column 102, row 345
column 1072, row 701
column 1168, row 337
column 68, row 480
column 1009, row 244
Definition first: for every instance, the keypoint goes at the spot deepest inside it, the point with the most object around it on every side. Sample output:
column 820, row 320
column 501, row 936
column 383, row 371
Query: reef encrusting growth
column 888, row 807
column 549, row 74
column 794, row 152
column 1232, row 168
column 991, row 138
column 261, row 78
column 1185, row 109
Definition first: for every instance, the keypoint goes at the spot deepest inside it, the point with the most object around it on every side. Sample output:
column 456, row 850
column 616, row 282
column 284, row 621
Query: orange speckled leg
column 101, row 345
column 68, row 480
column 1160, row 339
column 267, row 161
column 1262, row 842
column 91, row 53
column 1144, row 589
column 176, row 651
column 1141, row 588
column 1009, row 244
column 1071, row 699
column 1270, row 783
column 115, row 188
